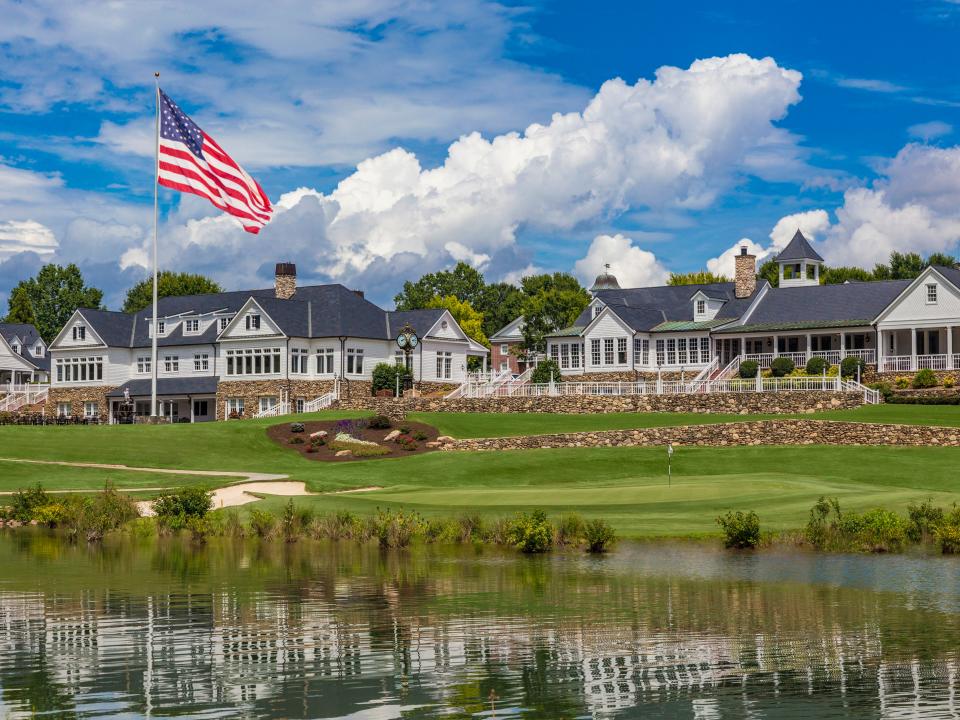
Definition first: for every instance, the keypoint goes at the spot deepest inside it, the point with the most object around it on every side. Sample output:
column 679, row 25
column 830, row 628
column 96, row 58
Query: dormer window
column 16, row 348
column 224, row 321
column 191, row 326
column 701, row 307
column 253, row 322
column 38, row 351
column 932, row 294
column 161, row 327
column 79, row 332
column 597, row 309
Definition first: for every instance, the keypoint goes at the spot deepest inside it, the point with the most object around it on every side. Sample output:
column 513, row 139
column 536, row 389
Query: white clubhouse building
column 895, row 325
column 247, row 352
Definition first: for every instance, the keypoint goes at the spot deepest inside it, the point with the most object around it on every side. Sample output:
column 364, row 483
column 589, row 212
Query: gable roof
column 420, row 320
column 798, row 249
column 28, row 337
column 844, row 305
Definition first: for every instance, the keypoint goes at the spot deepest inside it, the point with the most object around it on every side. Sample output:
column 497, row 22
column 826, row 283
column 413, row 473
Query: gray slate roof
column 645, row 308
column 315, row 311
column 169, row 386
column 798, row 249
column 854, row 303
column 28, row 336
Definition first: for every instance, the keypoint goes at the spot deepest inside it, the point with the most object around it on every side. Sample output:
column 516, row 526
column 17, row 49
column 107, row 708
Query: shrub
column 544, row 371
column 384, row 377
column 296, row 441
column 471, row 528
column 850, row 366
column 570, row 529
column 93, row 517
column 531, row 533
column 262, row 522
column 740, row 530
column 748, row 369
column 782, row 366
column 405, row 442
column 174, row 509
column 294, row 521
column 599, row 536
column 876, row 530
column 925, row 519
column 404, row 429
column 948, row 538
column 395, row 528
column 420, row 436
column 52, row 514
column 902, row 383
column 297, row 427
column 816, row 366
column 199, row 528
column 924, row 379
column 949, row 381
column 25, row 503
column 379, row 422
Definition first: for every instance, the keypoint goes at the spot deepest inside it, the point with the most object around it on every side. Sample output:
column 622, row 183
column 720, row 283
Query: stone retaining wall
column 627, row 376
column 77, row 396
column 740, row 403
column 871, row 375
column 252, row 390
column 752, row 432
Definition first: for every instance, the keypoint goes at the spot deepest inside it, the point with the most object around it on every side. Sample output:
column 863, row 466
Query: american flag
column 191, row 161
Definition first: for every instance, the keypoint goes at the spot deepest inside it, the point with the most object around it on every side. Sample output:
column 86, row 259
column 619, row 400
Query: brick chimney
column 285, row 281
column 745, row 276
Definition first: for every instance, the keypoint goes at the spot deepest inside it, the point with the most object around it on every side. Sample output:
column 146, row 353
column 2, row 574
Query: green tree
column 21, row 309
column 839, row 275
column 54, row 294
column 700, row 277
column 169, row 284
column 469, row 320
column 770, row 272
column 906, row 266
column 501, row 303
column 553, row 302
column 942, row 259
column 464, row 281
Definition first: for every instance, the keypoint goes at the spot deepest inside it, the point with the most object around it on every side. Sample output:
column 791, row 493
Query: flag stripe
column 194, row 180
column 189, row 188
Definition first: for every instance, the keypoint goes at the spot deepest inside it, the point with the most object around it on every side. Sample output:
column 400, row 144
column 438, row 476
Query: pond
column 310, row 630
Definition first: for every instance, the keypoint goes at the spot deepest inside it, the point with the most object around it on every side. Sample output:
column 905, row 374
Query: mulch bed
column 282, row 435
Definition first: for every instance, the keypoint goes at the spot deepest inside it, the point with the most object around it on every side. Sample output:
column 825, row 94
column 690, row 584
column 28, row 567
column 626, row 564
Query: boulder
column 433, row 444
column 344, row 453
column 445, row 439
column 319, row 434
column 392, row 435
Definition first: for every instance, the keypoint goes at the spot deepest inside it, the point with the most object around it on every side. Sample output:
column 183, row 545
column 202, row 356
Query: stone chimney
column 745, row 276
column 358, row 293
column 285, row 282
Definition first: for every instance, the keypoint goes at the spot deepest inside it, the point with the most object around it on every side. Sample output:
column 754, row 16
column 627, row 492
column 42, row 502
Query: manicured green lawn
column 14, row 476
column 627, row 486
column 943, row 415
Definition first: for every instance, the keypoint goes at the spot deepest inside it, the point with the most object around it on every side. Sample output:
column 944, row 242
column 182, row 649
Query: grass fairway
column 14, row 476
column 942, row 415
column 627, row 486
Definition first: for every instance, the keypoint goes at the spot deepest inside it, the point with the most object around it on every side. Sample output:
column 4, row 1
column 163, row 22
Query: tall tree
column 770, row 272
column 906, row 266
column 21, row 309
column 839, row 275
column 54, row 294
column 700, row 277
column 501, row 303
column 553, row 302
column 470, row 321
column 464, row 281
column 169, row 284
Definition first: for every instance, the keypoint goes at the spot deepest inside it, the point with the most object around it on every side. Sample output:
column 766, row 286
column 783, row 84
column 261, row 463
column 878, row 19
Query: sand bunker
column 242, row 493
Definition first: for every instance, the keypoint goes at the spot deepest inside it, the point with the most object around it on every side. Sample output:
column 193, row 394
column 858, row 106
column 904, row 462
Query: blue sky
column 395, row 137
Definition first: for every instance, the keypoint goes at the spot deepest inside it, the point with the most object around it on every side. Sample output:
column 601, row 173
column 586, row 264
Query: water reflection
column 327, row 631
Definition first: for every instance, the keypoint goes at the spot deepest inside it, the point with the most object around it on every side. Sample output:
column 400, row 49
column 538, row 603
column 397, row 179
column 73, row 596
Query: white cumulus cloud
column 631, row 265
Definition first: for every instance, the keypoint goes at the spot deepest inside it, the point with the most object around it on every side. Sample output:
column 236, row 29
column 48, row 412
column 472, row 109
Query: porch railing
column 22, row 395
column 834, row 357
column 281, row 408
column 910, row 363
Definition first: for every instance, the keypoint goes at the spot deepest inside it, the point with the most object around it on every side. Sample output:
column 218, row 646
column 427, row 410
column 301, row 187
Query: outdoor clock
column 414, row 341
column 407, row 340
column 402, row 341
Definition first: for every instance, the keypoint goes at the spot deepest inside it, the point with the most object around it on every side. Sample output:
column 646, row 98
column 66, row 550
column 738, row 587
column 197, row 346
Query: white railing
column 896, row 363
column 704, row 376
column 798, row 358
column 281, row 408
column 909, row 363
column 870, row 396
column 320, row 403
column 23, row 395
column 932, row 362
column 831, row 356
column 731, row 369
column 761, row 359
column 868, row 356
column 517, row 382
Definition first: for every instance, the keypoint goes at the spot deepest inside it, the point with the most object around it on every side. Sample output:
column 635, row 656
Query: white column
column 809, row 346
column 776, row 343
column 843, row 345
column 913, row 348
column 949, row 347
column 190, row 403
column 879, row 350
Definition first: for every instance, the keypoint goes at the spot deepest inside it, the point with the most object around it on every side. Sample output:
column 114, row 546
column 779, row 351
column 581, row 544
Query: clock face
column 414, row 341
column 402, row 341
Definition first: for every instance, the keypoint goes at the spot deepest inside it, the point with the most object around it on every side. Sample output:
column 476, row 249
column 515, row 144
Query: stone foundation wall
column 871, row 375
column 627, row 376
column 739, row 403
column 77, row 396
column 252, row 390
column 755, row 432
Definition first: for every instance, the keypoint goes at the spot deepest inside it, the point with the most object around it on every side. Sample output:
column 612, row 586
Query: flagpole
column 156, row 183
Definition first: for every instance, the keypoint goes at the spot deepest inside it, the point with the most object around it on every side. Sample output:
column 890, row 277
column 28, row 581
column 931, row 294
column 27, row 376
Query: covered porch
column 19, row 377
column 180, row 400
column 908, row 349
column 832, row 345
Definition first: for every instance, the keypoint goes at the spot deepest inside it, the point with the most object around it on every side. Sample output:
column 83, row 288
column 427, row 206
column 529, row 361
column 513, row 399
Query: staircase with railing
column 699, row 383
column 480, row 385
column 19, row 396
column 324, row 401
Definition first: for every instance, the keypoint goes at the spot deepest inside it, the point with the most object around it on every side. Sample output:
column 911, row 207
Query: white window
column 701, row 307
column 200, row 408
column 504, row 349
column 931, row 294
column 64, row 409
column 224, row 321
column 253, row 361
column 79, row 332
column 161, row 327
column 575, row 355
column 354, row 361
column 79, row 369
column 298, row 360
column 444, row 365
column 555, row 352
column 191, row 326
column 565, row 356
column 645, row 354
column 504, row 366
column 90, row 409
column 595, row 353
column 38, row 351
column 608, row 351
column 171, row 363
column 622, row 351
column 268, row 403
column 682, row 351
column 143, row 364
column 671, row 351
column 597, row 309
column 253, row 322
column 15, row 348
column 705, row 350
column 661, row 357
column 201, row 362
column 325, row 361
column 234, row 405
